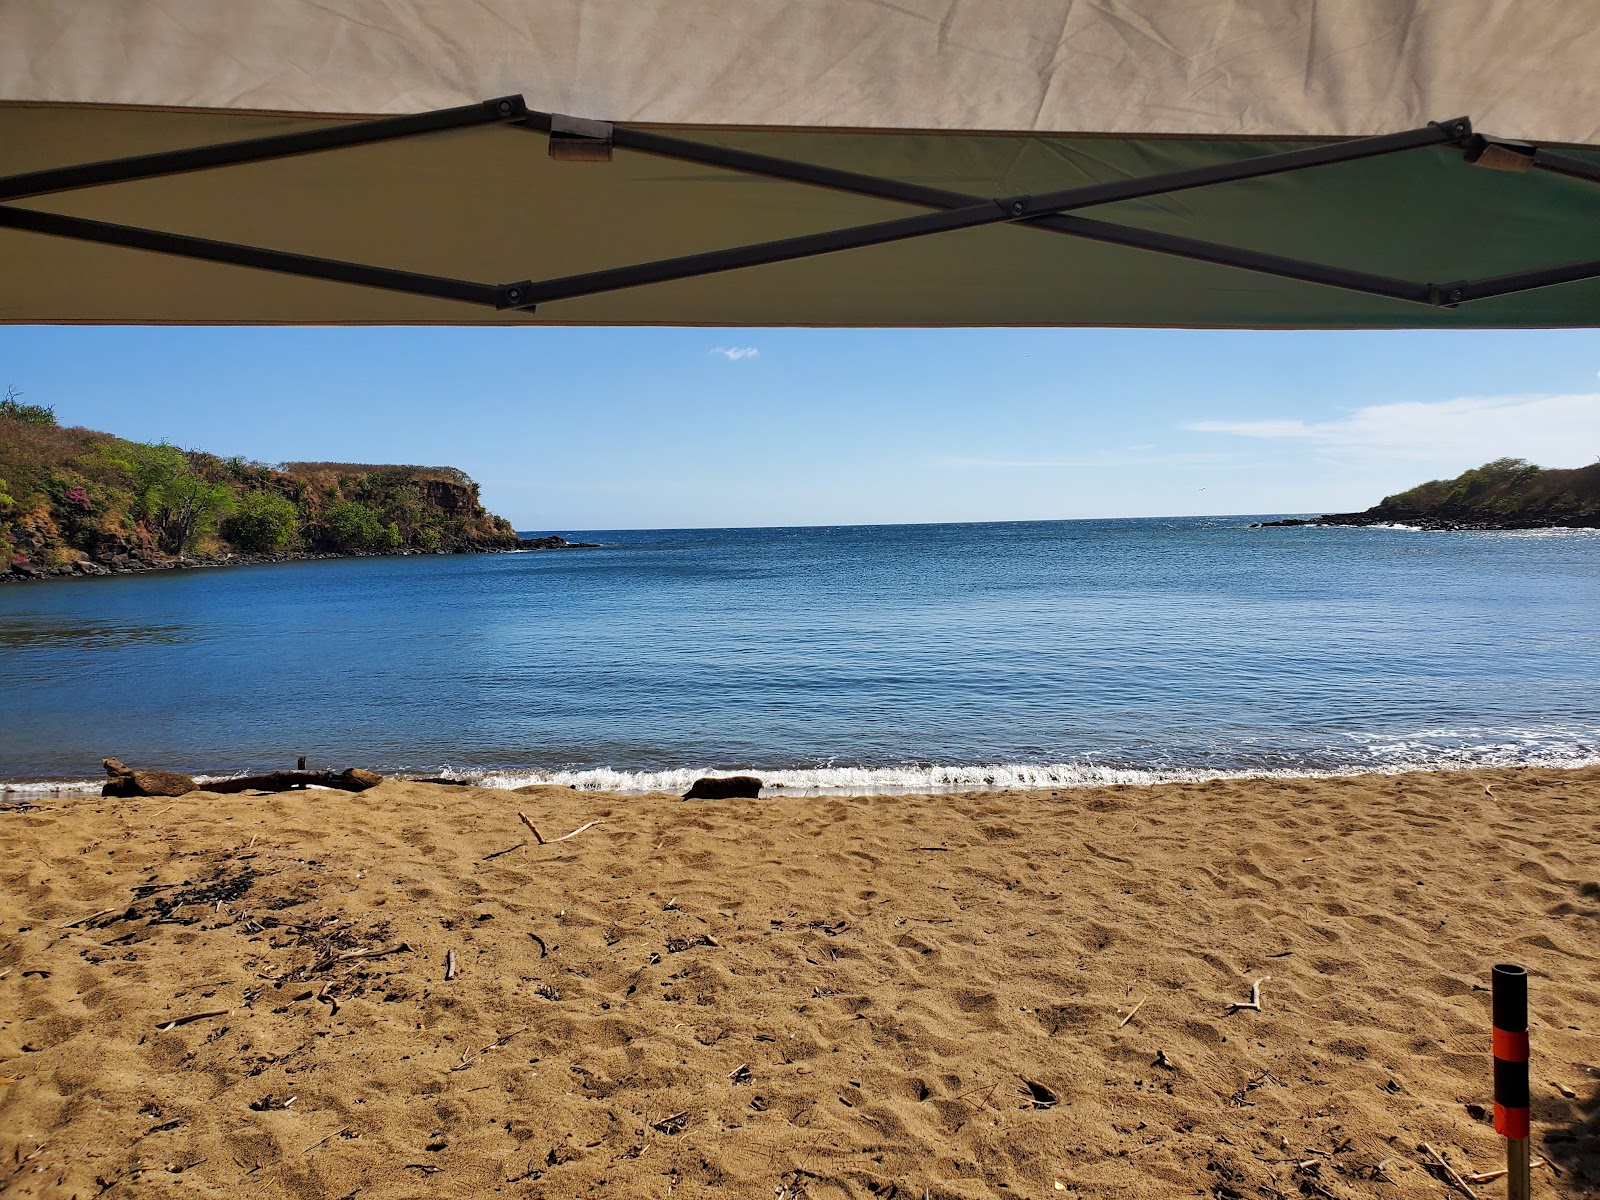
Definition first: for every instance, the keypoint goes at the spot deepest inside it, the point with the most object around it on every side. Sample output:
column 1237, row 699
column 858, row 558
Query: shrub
column 38, row 415
column 262, row 523
column 352, row 526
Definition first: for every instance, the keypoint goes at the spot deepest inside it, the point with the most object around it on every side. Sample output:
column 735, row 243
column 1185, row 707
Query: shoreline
column 1015, row 779
column 396, row 990
column 92, row 569
column 1428, row 524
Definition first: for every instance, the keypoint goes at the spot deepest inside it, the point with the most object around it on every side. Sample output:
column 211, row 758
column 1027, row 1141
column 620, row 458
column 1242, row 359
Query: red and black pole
column 1510, row 999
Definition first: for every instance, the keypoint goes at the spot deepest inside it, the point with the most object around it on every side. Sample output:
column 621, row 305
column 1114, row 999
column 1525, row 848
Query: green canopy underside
column 489, row 204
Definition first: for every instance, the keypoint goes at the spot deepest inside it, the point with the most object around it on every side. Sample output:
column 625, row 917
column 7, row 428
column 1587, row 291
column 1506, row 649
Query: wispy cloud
column 1552, row 430
column 1133, row 456
column 735, row 353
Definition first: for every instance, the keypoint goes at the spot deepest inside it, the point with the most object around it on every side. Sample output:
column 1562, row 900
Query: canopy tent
column 1242, row 163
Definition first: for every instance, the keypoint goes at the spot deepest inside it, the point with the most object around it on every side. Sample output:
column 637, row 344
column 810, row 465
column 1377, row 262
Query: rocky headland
column 1508, row 493
column 78, row 502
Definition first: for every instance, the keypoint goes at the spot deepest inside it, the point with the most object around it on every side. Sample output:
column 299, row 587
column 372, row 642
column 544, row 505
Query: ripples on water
column 857, row 658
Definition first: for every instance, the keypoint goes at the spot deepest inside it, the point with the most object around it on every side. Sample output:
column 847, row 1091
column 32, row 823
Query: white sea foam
column 1421, row 751
column 1391, row 759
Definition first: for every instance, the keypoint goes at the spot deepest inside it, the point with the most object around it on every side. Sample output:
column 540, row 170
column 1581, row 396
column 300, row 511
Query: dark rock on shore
column 727, row 787
column 129, row 564
column 552, row 542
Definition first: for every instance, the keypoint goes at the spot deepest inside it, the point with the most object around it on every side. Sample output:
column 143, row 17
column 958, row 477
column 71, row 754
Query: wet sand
column 1002, row 994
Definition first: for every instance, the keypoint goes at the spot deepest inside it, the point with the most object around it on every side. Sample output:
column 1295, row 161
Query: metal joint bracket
column 1014, row 206
column 575, row 139
column 1446, row 295
column 1458, row 129
column 514, row 295
column 508, row 108
column 1498, row 154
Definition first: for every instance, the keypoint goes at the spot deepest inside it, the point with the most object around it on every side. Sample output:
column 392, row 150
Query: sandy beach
column 977, row 995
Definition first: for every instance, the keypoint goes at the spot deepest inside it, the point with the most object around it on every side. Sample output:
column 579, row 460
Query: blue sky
column 571, row 429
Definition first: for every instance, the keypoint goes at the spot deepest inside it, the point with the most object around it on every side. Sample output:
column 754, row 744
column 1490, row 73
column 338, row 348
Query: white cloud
column 1553, row 431
column 1134, row 457
column 735, row 353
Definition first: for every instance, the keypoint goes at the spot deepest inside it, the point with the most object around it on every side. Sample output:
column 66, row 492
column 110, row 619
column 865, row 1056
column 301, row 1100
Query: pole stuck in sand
column 1510, row 1004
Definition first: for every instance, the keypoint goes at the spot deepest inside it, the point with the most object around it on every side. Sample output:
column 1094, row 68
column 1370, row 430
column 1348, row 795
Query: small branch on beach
column 348, row 955
column 575, row 832
column 498, row 853
column 205, row 1016
column 672, row 1124
column 327, row 997
column 537, row 836
column 1254, row 1003
column 1449, row 1171
column 330, row 1137
column 1134, row 1013
column 1491, row 1176
column 467, row 1057
column 449, row 965
column 105, row 912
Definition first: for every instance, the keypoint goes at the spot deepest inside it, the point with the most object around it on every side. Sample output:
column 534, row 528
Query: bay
column 837, row 658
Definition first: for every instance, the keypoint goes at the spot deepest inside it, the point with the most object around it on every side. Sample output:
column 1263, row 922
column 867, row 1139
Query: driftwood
column 1254, row 1003
column 125, row 781
column 353, row 780
column 1450, row 1172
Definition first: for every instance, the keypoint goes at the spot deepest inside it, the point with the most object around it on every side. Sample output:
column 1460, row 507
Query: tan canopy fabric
column 973, row 99
column 1234, row 68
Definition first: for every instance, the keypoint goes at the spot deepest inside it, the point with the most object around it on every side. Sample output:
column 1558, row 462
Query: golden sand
column 1013, row 994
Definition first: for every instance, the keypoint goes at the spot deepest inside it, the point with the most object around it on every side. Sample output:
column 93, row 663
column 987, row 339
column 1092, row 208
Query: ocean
column 848, row 659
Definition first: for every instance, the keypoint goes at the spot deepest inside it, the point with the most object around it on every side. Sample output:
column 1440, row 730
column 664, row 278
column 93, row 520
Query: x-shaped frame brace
column 574, row 138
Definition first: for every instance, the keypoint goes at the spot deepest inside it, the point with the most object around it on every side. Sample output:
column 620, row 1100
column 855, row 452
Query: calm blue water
column 850, row 657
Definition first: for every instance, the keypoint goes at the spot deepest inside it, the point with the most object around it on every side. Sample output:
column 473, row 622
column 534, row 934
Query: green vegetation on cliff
column 1508, row 492
column 77, row 499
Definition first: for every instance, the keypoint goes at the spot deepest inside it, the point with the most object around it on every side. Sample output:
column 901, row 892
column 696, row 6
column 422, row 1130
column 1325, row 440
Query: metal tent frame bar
column 574, row 138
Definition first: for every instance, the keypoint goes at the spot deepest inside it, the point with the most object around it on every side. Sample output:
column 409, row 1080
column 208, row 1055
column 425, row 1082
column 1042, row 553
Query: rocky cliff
column 77, row 501
column 1508, row 493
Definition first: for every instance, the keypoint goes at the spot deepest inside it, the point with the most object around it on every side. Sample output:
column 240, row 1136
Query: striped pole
column 1510, row 1000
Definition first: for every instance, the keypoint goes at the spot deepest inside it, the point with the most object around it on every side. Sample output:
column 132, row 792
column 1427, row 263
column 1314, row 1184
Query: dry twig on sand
column 673, row 1124
column 348, row 955
column 319, row 1141
column 537, row 836
column 1254, row 1003
column 1449, row 1171
column 205, row 1016
column 1491, row 1176
column 104, row 912
column 449, row 964
column 1134, row 1013
column 575, row 832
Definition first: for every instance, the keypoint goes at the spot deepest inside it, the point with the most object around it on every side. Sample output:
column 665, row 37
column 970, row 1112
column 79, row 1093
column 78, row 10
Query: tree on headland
column 174, row 501
column 353, row 526
column 40, row 415
column 263, row 523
